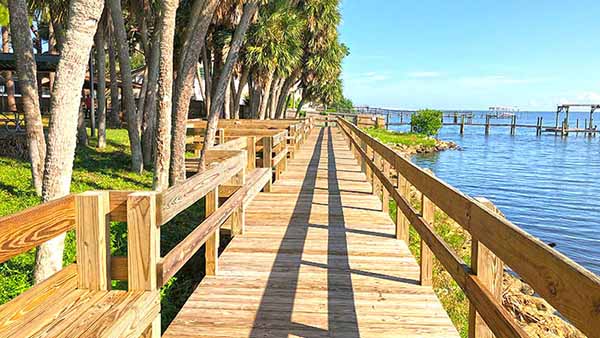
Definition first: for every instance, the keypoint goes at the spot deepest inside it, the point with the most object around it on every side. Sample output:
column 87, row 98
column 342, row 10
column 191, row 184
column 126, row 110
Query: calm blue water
column 547, row 185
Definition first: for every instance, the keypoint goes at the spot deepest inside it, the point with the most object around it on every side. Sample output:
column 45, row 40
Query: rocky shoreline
column 423, row 149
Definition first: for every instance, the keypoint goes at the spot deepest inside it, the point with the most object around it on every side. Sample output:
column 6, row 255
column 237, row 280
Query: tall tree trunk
column 264, row 100
column 285, row 90
column 227, row 101
column 238, row 95
column 7, row 74
column 149, row 120
column 250, row 9
column 206, row 65
column 66, row 99
column 133, row 127
column 27, row 72
column 115, row 102
column 101, row 89
column 165, row 103
column 184, row 87
column 254, row 98
column 82, row 139
column 299, row 109
column 273, row 99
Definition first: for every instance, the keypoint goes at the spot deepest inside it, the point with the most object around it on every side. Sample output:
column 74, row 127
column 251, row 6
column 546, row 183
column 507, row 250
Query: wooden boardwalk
column 318, row 259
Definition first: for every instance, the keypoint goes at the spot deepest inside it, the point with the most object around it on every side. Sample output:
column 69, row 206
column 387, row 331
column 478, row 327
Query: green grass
column 397, row 138
column 95, row 169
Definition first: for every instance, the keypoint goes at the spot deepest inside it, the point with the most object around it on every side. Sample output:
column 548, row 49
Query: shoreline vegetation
column 534, row 314
column 410, row 143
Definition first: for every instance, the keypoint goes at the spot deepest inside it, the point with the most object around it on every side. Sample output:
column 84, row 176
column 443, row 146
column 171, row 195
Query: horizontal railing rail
column 571, row 289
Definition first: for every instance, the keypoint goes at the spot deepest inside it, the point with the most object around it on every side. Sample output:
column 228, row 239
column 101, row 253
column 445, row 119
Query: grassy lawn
column 397, row 138
column 94, row 169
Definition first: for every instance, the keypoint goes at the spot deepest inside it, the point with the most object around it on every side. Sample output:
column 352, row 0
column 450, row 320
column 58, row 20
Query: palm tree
column 101, row 89
column 82, row 24
column 192, row 47
column 163, row 134
column 250, row 9
column 27, row 71
column 133, row 125
column 274, row 49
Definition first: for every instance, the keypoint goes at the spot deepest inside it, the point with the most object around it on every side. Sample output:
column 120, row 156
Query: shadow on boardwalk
column 342, row 319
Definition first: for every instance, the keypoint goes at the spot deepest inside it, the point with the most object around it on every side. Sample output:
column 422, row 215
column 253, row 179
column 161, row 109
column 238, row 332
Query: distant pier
column 367, row 116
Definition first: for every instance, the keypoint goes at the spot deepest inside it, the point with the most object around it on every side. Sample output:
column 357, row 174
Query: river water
column 547, row 185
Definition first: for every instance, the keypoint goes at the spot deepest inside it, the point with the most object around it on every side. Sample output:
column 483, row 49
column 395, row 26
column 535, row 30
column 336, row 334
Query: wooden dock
column 315, row 254
column 319, row 258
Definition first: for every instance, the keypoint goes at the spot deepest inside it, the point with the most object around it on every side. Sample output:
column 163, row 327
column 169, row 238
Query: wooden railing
column 568, row 287
column 229, row 182
column 275, row 140
column 145, row 213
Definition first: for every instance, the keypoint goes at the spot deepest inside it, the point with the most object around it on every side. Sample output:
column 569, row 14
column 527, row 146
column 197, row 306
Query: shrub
column 427, row 122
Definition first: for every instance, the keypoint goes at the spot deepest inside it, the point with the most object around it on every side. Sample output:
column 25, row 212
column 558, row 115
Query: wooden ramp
column 318, row 259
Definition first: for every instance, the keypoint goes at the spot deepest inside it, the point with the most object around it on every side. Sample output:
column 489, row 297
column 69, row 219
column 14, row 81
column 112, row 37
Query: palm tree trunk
column 27, row 72
column 238, row 95
column 274, row 98
column 207, row 66
column 227, row 101
column 115, row 102
column 285, row 90
column 300, row 106
column 133, row 127
column 71, row 68
column 101, row 89
column 264, row 100
column 10, row 84
column 165, row 104
column 184, row 87
column 250, row 9
column 149, row 115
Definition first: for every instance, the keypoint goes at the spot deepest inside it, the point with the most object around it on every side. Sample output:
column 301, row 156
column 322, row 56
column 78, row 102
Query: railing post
column 363, row 164
column 268, row 159
column 402, row 225
column 368, row 170
column 251, row 152
column 428, row 213
column 489, row 270
column 143, row 248
column 385, row 193
column 211, row 247
column 237, row 218
column 220, row 136
column 374, row 179
column 93, row 240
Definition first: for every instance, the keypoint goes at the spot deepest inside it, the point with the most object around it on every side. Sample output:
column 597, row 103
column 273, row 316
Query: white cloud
column 421, row 75
column 494, row 80
column 365, row 78
column 588, row 97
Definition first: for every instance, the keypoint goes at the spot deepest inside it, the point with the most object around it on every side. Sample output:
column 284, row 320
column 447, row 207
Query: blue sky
column 471, row 54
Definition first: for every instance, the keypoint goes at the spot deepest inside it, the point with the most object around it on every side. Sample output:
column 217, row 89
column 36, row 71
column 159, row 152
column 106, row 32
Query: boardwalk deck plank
column 318, row 259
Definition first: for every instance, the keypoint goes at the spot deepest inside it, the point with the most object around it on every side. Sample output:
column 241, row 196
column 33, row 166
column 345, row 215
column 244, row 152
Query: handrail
column 570, row 288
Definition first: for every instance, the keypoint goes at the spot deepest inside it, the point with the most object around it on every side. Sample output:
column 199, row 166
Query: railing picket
column 384, row 192
column 489, row 270
column 143, row 248
column 211, row 253
column 93, row 240
column 428, row 213
column 268, row 158
column 402, row 224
